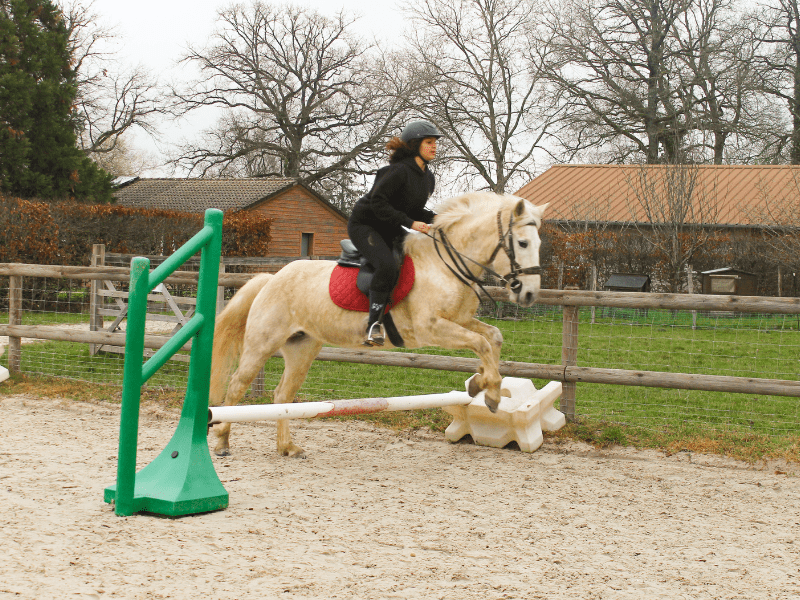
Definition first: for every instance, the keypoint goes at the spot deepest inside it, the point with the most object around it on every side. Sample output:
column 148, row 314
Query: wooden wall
column 295, row 212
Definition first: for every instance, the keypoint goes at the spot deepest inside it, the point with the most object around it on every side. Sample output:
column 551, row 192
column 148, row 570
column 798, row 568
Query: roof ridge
column 203, row 179
column 701, row 166
column 197, row 194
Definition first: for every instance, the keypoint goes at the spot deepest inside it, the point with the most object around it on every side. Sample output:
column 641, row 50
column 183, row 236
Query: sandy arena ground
column 375, row 514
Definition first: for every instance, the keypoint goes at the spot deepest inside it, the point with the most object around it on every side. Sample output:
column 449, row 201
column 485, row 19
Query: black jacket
column 397, row 199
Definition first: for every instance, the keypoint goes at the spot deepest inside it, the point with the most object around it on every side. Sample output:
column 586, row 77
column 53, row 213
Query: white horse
column 292, row 311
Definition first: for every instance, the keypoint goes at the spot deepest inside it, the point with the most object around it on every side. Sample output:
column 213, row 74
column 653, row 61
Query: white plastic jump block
column 519, row 418
column 3, row 374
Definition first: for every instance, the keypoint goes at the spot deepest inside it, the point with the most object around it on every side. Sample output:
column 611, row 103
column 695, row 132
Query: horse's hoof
column 222, row 451
column 492, row 399
column 474, row 388
column 294, row 452
column 491, row 405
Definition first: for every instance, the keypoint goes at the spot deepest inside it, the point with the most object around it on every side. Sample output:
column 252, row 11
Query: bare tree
column 112, row 100
column 298, row 94
column 125, row 159
column 476, row 83
column 617, row 67
column 674, row 212
column 777, row 27
column 661, row 81
column 729, row 115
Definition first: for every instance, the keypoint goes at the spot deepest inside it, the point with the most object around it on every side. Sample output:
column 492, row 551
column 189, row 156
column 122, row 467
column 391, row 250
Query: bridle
column 516, row 269
column 462, row 272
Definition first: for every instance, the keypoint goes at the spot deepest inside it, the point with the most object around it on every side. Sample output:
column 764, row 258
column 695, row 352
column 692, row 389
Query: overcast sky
column 155, row 33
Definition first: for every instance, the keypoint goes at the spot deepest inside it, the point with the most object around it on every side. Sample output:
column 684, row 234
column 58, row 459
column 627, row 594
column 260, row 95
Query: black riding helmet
column 417, row 130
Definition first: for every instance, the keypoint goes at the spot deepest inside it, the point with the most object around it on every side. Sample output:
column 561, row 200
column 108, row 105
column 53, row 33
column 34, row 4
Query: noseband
column 516, row 269
column 462, row 272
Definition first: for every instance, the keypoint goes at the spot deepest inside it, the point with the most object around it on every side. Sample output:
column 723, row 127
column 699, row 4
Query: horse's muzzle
column 525, row 295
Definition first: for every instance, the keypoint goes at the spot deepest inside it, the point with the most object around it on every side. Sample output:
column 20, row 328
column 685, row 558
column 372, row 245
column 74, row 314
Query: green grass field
column 48, row 318
column 746, row 346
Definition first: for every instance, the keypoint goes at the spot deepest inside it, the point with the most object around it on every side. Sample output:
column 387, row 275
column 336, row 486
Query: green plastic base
column 178, row 485
column 168, row 508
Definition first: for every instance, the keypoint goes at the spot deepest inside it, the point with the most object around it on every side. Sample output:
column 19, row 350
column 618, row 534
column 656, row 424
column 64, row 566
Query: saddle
column 352, row 258
column 351, row 278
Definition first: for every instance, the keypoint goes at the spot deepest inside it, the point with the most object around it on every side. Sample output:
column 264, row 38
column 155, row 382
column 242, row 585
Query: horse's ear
column 542, row 207
column 519, row 209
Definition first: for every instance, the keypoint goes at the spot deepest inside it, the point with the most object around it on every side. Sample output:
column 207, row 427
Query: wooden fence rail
column 227, row 261
column 568, row 372
column 641, row 300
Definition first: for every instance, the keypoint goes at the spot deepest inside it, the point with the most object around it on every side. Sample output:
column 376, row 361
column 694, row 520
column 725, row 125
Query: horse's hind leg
column 298, row 354
column 250, row 364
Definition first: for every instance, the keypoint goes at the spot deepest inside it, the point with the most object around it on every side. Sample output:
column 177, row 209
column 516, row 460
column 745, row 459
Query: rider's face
column 427, row 149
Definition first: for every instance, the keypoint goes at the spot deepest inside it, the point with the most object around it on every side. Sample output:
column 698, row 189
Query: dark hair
column 399, row 149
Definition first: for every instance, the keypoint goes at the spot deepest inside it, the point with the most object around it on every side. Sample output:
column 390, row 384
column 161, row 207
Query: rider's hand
column 421, row 227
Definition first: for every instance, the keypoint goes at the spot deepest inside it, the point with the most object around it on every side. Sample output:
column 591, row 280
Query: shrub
column 63, row 233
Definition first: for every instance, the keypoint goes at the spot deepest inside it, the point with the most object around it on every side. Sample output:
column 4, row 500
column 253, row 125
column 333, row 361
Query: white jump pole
column 307, row 410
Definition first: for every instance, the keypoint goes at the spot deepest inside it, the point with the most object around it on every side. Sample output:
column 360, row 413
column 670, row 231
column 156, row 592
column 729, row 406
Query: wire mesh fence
column 669, row 341
column 740, row 345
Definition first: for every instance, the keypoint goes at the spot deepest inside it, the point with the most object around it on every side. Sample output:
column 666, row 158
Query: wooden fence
column 567, row 372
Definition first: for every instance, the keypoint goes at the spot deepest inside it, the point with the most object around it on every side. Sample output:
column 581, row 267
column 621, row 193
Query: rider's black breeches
column 378, row 252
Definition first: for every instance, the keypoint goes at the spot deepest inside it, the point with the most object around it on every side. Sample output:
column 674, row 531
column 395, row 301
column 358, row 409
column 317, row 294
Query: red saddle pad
column 345, row 294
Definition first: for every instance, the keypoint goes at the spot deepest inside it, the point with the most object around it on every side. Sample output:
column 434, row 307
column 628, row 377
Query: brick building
column 742, row 205
column 303, row 222
column 723, row 196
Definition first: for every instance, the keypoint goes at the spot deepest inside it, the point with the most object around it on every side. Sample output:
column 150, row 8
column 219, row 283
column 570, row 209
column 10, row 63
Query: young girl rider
column 397, row 200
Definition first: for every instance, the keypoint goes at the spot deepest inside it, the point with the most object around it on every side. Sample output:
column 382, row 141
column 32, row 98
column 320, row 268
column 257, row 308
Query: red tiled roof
column 722, row 194
column 197, row 195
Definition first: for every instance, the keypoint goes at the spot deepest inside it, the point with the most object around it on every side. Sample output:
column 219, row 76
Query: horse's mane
column 455, row 209
column 473, row 203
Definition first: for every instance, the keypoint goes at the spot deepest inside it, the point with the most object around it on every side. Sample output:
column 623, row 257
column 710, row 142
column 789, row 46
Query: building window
column 307, row 244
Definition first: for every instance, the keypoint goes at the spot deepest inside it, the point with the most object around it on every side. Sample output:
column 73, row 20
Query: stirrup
column 375, row 337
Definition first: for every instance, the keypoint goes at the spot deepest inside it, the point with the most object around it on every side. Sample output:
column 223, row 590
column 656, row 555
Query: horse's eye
column 523, row 244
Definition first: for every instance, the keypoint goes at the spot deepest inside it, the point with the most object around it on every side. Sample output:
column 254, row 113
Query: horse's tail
column 229, row 336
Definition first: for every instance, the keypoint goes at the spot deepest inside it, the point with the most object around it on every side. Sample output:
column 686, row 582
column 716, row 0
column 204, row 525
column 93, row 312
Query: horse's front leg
column 495, row 338
column 449, row 334
column 492, row 334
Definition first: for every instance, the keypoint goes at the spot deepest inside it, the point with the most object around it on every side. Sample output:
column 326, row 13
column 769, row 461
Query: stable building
column 303, row 222
column 742, row 205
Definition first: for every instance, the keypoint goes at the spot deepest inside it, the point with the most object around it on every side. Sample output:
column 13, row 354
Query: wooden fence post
column 594, row 289
column 95, row 300
column 14, row 318
column 569, row 356
column 690, row 289
column 221, row 289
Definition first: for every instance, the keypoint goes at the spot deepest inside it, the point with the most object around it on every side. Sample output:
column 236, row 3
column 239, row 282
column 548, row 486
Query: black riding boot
column 377, row 308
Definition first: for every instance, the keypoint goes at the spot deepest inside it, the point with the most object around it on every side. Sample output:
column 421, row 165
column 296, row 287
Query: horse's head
column 518, row 230
column 479, row 221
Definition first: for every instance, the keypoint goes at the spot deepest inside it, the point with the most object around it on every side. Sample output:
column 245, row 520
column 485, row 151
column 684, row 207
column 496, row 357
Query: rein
column 465, row 276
